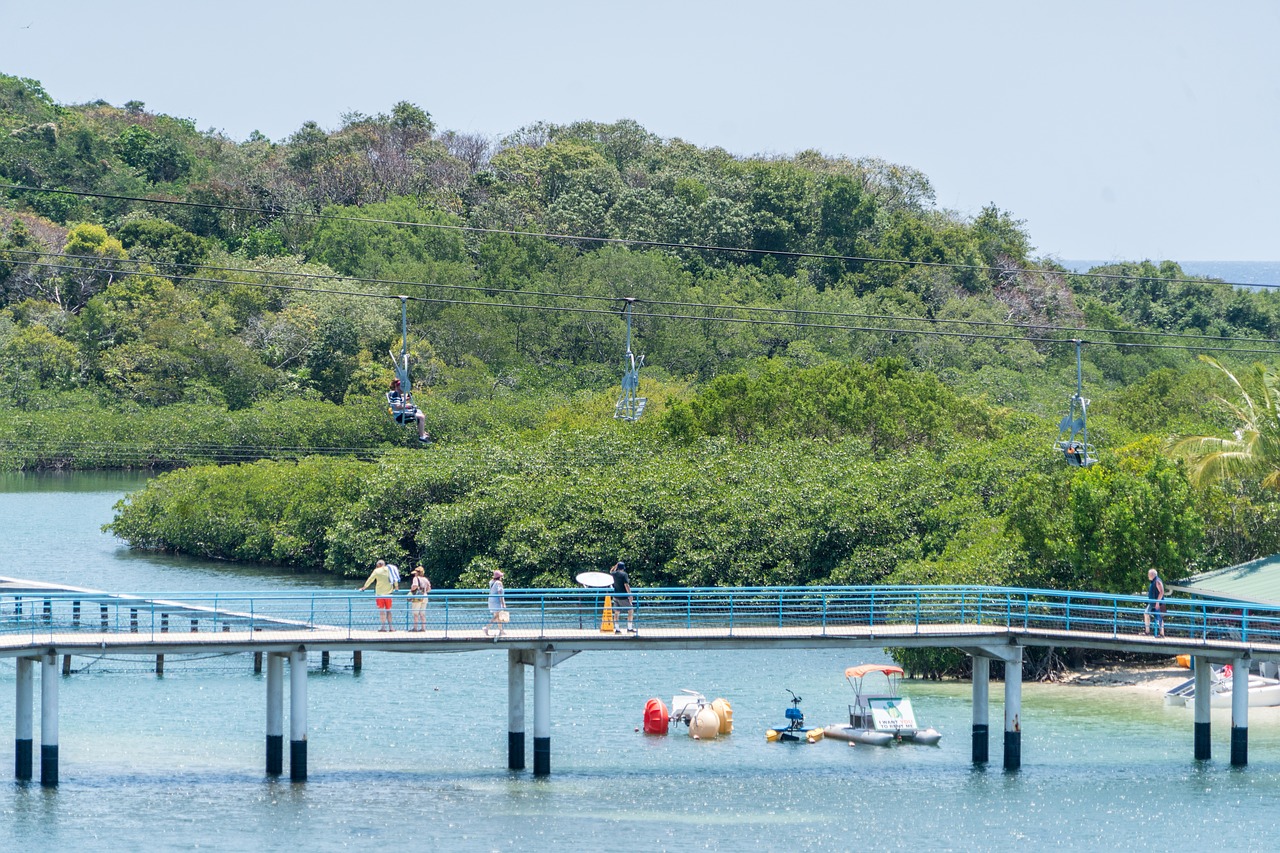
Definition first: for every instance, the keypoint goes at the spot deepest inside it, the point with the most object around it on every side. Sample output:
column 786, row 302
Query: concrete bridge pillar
column 1203, row 692
column 1239, row 712
column 275, row 715
column 49, row 720
column 542, row 713
column 298, row 716
column 1013, row 714
column 24, row 722
column 981, row 724
column 515, row 710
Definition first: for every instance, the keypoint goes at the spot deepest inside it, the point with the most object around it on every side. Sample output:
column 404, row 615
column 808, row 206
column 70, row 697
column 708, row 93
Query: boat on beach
column 1263, row 692
column 879, row 714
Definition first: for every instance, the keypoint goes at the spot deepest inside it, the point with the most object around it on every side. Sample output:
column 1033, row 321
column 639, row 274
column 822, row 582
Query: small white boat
column 879, row 714
column 1263, row 692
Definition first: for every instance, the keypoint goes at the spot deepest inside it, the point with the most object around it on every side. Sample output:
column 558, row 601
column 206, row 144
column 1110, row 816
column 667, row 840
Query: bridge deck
column 42, row 619
column 326, row 638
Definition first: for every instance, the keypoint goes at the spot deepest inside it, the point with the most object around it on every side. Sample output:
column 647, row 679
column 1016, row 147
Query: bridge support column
column 981, row 715
column 1013, row 714
column 298, row 716
column 49, row 720
column 1239, row 712
column 275, row 715
column 1203, row 692
column 24, row 720
column 515, row 711
column 542, row 714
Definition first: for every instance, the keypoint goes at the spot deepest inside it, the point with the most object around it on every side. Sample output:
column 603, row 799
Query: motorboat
column 1263, row 692
column 795, row 731
column 879, row 714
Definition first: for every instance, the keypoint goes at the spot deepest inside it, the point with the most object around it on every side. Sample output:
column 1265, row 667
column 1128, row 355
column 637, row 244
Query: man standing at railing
column 383, row 586
column 622, row 597
column 1155, row 603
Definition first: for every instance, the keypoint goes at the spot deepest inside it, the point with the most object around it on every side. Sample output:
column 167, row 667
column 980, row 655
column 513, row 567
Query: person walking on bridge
column 1155, row 603
column 498, row 615
column 383, row 586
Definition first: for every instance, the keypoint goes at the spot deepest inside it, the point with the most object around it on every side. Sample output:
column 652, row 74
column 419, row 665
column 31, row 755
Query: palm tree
column 1254, row 448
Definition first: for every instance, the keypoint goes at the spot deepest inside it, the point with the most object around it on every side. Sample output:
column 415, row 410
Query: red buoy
column 656, row 719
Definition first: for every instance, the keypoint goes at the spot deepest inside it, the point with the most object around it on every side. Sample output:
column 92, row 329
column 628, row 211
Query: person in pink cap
column 497, row 605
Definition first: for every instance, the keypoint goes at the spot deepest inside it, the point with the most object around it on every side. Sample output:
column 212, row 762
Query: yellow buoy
column 725, row 712
column 771, row 735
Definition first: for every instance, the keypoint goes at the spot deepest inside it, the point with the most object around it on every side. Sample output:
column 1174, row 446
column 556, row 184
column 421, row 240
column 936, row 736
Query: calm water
column 412, row 750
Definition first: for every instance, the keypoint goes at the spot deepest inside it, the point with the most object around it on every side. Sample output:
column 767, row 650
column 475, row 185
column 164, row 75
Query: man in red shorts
column 380, row 577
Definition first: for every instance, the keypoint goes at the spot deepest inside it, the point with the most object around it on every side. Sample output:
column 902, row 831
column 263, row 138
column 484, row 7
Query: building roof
column 1256, row 581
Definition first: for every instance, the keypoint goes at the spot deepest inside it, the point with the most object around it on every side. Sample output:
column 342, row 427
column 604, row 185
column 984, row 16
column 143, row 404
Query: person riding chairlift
column 1075, row 454
column 403, row 409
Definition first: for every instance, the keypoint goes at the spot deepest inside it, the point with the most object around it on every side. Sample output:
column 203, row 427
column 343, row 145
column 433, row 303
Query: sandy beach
column 1156, row 678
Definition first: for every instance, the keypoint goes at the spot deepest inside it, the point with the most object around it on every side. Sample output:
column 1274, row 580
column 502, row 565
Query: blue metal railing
column 715, row 611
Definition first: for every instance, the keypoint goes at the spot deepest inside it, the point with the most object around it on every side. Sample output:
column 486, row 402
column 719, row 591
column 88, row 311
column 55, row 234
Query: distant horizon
column 1236, row 272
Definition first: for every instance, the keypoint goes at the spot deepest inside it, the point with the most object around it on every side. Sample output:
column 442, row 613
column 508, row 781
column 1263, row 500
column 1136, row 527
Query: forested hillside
column 846, row 383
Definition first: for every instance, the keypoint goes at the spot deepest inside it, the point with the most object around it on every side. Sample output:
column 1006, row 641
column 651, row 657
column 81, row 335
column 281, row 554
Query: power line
column 793, row 312
column 704, row 318
column 623, row 241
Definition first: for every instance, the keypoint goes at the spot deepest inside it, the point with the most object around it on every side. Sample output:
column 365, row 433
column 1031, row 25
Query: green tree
column 1254, row 448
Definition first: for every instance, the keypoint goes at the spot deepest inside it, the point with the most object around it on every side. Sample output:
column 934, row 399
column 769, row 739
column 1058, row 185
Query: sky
column 1114, row 130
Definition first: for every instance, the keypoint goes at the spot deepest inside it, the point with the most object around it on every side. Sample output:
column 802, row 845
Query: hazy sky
column 1115, row 129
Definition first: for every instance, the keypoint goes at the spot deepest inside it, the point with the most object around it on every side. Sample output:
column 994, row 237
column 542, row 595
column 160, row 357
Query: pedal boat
column 879, row 714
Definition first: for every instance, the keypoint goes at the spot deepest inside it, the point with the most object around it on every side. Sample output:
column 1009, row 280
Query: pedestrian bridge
column 40, row 622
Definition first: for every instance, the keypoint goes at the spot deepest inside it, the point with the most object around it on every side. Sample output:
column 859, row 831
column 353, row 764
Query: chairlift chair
column 630, row 406
column 400, row 405
column 1073, row 431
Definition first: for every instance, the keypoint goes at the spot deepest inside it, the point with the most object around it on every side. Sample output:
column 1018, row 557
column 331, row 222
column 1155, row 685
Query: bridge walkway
column 40, row 622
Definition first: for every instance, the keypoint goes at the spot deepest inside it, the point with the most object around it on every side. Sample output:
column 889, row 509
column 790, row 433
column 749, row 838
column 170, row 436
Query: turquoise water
column 412, row 750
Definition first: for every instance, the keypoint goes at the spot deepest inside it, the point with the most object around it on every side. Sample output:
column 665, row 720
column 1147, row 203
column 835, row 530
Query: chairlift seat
column 630, row 409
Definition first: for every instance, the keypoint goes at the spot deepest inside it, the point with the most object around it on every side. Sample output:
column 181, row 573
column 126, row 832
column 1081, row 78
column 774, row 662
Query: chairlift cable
column 623, row 241
column 590, row 297
column 749, row 321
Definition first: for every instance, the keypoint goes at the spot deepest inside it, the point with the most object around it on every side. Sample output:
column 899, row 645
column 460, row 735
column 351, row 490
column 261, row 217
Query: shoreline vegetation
column 846, row 383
